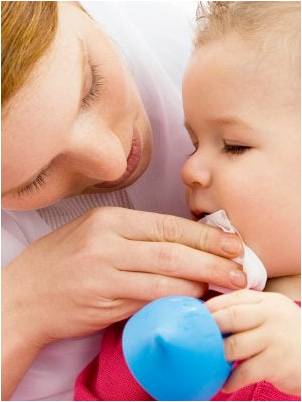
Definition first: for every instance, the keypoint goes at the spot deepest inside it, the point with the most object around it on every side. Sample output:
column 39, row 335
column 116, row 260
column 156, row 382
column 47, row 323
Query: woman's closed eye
column 95, row 88
column 36, row 184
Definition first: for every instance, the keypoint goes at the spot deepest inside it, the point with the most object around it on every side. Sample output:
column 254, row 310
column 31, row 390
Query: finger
column 244, row 345
column 142, row 286
column 239, row 318
column 112, row 311
column 139, row 225
column 248, row 372
column 182, row 262
column 124, row 308
column 244, row 296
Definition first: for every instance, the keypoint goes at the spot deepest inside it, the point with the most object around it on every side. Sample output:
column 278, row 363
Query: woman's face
column 77, row 125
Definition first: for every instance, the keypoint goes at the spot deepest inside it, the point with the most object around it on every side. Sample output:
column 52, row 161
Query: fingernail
column 231, row 245
column 238, row 279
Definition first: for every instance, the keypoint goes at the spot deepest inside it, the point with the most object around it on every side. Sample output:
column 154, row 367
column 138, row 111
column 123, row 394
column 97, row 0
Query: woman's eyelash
column 234, row 148
column 94, row 91
column 36, row 184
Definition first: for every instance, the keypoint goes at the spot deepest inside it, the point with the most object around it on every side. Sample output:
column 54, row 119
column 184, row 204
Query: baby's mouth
column 199, row 215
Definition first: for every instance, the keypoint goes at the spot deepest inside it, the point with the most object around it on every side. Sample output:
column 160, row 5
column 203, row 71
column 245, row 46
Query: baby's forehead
column 271, row 29
column 230, row 79
column 242, row 66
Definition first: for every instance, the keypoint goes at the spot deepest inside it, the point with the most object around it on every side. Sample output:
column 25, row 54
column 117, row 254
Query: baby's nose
column 196, row 173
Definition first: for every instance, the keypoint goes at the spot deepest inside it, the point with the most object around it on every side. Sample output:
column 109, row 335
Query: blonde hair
column 269, row 27
column 250, row 19
column 27, row 30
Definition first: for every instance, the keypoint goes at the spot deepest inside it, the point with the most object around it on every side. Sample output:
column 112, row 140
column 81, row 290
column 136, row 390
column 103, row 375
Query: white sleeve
column 19, row 230
column 13, row 241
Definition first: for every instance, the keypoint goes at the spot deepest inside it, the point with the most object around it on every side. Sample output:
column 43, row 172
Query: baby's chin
column 282, row 271
column 288, row 285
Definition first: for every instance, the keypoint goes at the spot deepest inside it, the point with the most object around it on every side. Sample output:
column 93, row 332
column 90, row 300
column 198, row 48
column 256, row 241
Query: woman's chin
column 127, row 179
column 119, row 185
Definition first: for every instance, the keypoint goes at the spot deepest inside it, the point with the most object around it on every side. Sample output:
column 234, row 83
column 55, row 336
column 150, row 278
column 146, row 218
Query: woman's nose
column 196, row 172
column 100, row 157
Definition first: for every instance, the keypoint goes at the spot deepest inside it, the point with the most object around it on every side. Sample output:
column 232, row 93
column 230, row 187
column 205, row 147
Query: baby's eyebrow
column 225, row 121
column 230, row 121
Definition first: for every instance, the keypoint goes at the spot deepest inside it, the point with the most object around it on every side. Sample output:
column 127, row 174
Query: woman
column 75, row 135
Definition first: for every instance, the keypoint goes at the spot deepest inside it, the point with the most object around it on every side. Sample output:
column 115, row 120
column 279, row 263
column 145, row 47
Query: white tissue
column 255, row 271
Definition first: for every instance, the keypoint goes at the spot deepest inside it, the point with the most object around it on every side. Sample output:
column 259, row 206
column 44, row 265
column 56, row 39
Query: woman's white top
column 155, row 37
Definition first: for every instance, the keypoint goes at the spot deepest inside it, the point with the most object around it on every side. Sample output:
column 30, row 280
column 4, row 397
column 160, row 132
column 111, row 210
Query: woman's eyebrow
column 230, row 121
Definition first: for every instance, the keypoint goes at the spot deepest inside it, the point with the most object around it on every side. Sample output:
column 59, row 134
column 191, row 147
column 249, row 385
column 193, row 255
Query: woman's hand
column 266, row 335
column 100, row 269
column 105, row 265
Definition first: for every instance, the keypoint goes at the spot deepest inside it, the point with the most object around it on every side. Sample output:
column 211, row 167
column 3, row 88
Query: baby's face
column 243, row 115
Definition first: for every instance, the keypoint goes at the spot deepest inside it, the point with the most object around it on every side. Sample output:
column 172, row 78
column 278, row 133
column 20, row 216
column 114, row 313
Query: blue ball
column 174, row 349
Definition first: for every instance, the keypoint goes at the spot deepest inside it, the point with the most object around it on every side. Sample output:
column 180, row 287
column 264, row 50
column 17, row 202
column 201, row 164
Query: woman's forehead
column 41, row 115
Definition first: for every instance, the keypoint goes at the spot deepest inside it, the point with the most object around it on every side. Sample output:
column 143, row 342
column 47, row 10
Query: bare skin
column 265, row 337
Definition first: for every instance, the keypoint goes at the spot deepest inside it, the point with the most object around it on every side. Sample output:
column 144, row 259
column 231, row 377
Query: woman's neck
column 289, row 286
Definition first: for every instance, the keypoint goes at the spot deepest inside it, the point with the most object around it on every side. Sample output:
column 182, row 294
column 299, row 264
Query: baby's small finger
column 238, row 318
column 244, row 345
column 244, row 296
column 246, row 373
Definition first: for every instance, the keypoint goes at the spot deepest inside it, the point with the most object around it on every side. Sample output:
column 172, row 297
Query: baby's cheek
column 248, row 212
column 281, row 223
column 275, row 241
column 281, row 263
column 267, row 217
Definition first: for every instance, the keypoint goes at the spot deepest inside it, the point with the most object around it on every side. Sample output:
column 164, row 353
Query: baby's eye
column 234, row 148
column 195, row 149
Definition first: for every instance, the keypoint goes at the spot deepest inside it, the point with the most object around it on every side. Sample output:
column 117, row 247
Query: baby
column 241, row 95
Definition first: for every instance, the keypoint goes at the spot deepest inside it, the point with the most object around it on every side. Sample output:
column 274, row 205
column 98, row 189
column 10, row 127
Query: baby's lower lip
column 132, row 163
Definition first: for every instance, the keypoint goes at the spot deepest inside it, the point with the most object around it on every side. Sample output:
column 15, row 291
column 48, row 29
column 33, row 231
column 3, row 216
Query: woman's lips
column 133, row 160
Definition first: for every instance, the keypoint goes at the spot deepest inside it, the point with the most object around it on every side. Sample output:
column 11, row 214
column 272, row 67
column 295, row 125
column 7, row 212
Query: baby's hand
column 265, row 330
